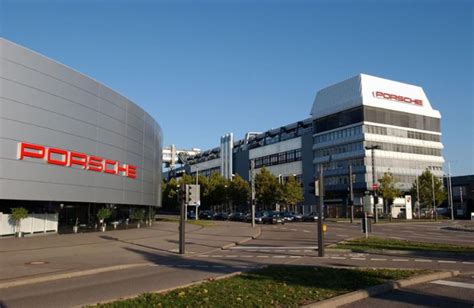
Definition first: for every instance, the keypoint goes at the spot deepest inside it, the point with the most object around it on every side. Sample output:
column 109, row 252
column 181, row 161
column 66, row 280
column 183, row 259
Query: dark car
column 273, row 218
column 221, row 216
column 238, row 216
column 191, row 215
column 258, row 217
column 297, row 217
column 313, row 216
column 207, row 215
column 288, row 216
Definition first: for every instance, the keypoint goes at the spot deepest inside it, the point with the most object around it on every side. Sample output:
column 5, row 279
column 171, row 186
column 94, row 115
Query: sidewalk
column 37, row 256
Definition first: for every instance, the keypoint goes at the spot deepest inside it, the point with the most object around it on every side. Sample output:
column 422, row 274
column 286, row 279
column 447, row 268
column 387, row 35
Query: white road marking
column 295, row 257
column 454, row 284
column 306, row 231
column 378, row 259
column 231, row 256
column 271, row 247
column 423, row 260
column 466, row 262
column 262, row 256
column 293, row 229
column 216, row 256
column 400, row 260
column 338, row 258
column 246, row 256
column 279, row 257
column 358, row 259
column 219, row 266
column 446, row 261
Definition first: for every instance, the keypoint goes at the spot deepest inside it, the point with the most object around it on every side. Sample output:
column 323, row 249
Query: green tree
column 292, row 192
column 388, row 191
column 267, row 189
column 239, row 191
column 217, row 190
column 426, row 180
column 170, row 194
column 18, row 214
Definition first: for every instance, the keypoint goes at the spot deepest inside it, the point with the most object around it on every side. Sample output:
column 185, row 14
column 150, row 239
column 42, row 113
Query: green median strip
column 274, row 286
column 376, row 243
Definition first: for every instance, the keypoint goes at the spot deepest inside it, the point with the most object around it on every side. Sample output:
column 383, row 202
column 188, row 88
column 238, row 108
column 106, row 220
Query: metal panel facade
column 46, row 103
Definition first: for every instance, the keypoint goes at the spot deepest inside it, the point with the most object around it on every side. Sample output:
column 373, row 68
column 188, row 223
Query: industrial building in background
column 70, row 146
column 350, row 121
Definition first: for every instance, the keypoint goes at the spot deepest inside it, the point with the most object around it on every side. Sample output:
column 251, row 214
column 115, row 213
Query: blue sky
column 205, row 68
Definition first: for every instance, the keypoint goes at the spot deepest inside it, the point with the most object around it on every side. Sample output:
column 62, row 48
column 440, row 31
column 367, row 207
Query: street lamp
column 372, row 148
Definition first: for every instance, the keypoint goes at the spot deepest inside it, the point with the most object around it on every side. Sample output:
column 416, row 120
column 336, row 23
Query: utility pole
column 351, row 194
column 450, row 191
column 434, row 198
column 320, row 213
column 372, row 149
column 197, row 183
column 182, row 224
column 252, row 179
column 418, row 194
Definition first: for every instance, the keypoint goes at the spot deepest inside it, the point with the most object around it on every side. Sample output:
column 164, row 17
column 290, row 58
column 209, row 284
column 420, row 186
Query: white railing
column 34, row 223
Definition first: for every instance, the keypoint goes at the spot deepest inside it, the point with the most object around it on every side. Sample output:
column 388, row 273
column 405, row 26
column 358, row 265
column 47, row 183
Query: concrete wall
column 46, row 103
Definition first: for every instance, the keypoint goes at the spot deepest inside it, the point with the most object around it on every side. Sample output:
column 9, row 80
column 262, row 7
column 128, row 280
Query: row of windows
column 402, row 119
column 376, row 115
column 349, row 147
column 342, row 164
column 208, row 172
column 405, row 164
column 389, row 131
column 298, row 178
column 278, row 159
column 402, row 148
column 343, row 133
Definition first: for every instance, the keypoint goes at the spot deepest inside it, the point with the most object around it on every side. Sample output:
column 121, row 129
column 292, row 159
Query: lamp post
column 372, row 149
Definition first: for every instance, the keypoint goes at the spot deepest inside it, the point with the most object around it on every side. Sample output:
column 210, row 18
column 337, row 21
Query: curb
column 379, row 289
column 257, row 235
column 416, row 253
column 22, row 282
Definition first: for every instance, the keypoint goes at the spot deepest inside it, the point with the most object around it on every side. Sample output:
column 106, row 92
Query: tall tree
column 267, row 189
column 425, row 181
column 169, row 194
column 217, row 190
column 388, row 191
column 292, row 192
column 239, row 191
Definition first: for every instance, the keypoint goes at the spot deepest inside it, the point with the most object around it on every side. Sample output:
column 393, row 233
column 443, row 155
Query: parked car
column 221, row 216
column 237, row 216
column 313, row 216
column 258, row 217
column 297, row 217
column 288, row 216
column 273, row 218
column 206, row 215
column 191, row 215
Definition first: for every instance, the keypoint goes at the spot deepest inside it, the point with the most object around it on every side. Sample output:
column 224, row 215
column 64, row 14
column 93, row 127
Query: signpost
column 189, row 195
column 320, row 214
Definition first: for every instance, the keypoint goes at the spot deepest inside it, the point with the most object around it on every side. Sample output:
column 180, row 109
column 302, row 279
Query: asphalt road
column 157, row 269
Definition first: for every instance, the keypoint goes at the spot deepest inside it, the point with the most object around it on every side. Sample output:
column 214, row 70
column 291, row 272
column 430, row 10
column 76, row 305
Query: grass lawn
column 279, row 285
column 393, row 244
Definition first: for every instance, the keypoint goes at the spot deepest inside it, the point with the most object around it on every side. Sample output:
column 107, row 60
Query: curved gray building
column 67, row 139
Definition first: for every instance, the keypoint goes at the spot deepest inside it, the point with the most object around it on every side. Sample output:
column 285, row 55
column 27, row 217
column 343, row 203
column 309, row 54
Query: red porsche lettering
column 65, row 158
column 398, row 98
